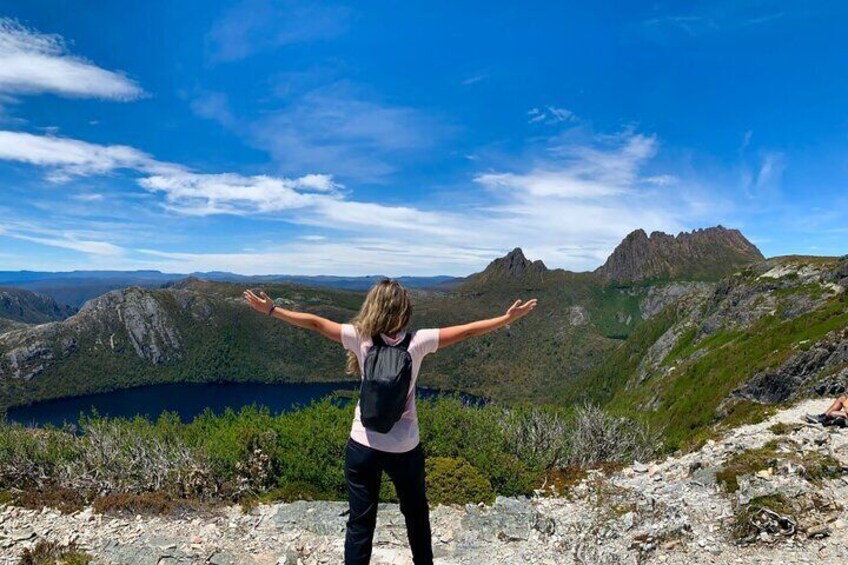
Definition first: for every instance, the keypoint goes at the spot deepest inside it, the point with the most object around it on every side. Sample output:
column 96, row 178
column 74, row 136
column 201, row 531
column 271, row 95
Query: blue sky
column 413, row 138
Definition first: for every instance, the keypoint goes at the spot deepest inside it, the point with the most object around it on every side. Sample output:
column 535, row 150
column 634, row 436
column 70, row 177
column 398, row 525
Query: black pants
column 364, row 468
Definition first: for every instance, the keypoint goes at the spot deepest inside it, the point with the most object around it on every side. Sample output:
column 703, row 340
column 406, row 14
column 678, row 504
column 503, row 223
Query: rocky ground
column 665, row 512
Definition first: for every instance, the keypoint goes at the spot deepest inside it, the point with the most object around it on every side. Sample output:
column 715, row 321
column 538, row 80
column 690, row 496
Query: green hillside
column 756, row 341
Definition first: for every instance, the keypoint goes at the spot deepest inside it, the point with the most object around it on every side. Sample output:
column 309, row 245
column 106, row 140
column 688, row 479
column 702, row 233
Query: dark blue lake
column 186, row 399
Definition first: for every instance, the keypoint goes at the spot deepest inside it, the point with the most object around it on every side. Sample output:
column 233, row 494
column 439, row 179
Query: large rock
column 798, row 375
column 508, row 519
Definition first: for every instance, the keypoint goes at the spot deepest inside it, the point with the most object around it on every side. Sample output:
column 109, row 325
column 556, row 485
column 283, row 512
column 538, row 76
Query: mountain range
column 687, row 330
column 75, row 287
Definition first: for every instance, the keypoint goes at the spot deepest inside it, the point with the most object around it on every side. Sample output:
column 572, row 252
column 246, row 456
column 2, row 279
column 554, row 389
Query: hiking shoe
column 814, row 418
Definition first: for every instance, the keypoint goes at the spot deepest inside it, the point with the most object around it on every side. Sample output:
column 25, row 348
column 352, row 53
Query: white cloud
column 33, row 62
column 228, row 193
column 541, row 183
column 66, row 158
column 88, row 197
column 606, row 167
column 661, row 180
column 550, row 115
column 367, row 217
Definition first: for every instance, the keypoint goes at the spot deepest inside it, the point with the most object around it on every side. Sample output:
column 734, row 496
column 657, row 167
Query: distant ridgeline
column 685, row 330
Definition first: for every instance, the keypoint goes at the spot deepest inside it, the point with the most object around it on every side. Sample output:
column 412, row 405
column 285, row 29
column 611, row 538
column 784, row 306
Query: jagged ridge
column 709, row 253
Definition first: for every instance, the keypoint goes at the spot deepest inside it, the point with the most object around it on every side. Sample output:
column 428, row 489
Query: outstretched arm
column 264, row 304
column 455, row 334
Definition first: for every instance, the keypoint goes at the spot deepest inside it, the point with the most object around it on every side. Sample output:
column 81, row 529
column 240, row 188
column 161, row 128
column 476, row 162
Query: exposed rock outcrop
column 800, row 374
column 658, row 297
column 703, row 254
column 134, row 318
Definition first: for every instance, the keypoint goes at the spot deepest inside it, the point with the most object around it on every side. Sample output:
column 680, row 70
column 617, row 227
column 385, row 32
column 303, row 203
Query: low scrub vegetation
column 50, row 553
column 812, row 465
column 473, row 453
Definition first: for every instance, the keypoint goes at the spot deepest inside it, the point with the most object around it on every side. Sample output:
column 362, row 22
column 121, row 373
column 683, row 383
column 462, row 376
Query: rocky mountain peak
column 513, row 265
column 706, row 253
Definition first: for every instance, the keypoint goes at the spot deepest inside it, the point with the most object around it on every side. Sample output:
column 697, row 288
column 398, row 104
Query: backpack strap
column 406, row 340
column 377, row 340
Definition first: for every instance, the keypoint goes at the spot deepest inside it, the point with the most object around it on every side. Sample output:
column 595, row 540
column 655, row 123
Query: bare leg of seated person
column 838, row 407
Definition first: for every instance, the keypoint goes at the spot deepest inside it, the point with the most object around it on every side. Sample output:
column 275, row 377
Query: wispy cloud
column 257, row 25
column 473, row 79
column 214, row 106
column 703, row 19
column 763, row 180
column 550, row 115
column 69, row 242
column 336, row 127
column 760, row 175
column 602, row 167
column 88, row 197
column 32, row 62
column 59, row 238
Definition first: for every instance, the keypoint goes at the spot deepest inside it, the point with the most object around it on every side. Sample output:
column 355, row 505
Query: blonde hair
column 387, row 309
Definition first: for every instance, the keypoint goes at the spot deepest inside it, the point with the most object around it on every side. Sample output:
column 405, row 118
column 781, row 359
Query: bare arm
column 455, row 334
column 264, row 304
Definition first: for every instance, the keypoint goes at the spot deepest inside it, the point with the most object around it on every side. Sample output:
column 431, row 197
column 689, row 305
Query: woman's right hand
column 261, row 303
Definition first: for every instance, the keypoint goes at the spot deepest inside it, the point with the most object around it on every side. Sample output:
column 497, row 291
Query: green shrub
column 476, row 434
column 453, row 480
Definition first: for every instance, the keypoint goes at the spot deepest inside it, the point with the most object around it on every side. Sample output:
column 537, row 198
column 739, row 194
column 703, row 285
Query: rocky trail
column 672, row 511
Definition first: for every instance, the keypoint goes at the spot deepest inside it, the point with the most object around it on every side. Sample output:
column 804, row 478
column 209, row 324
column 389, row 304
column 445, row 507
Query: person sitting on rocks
column 836, row 415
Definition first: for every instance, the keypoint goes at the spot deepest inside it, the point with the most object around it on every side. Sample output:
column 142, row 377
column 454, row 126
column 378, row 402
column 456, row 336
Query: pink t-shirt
column 404, row 434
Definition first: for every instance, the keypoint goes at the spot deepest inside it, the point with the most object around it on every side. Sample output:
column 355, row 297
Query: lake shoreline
column 189, row 400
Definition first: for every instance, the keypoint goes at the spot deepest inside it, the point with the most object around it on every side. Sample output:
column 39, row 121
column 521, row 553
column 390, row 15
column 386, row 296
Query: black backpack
column 385, row 384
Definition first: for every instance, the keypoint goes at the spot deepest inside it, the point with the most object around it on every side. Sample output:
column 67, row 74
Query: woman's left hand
column 261, row 303
column 517, row 310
